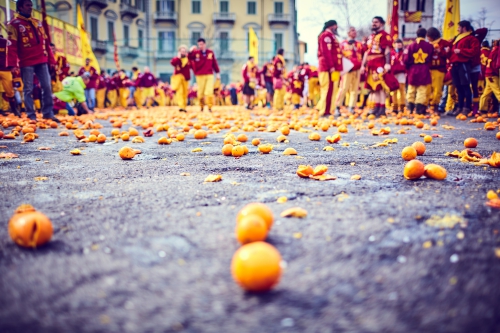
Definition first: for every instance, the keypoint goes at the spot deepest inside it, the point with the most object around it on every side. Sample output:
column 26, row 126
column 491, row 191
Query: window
column 278, row 7
column 165, row 6
column 140, row 35
column 126, row 35
column 111, row 30
column 404, row 5
column 421, row 5
column 224, row 42
column 224, row 6
column 94, row 28
column 251, row 8
column 278, row 42
column 166, row 41
column 140, row 4
column 224, row 78
column 165, row 77
column 195, row 35
column 403, row 31
column 196, row 6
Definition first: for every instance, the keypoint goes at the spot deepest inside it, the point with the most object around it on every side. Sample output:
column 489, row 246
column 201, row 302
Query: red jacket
column 146, row 80
column 94, row 76
column 479, row 34
column 203, row 63
column 375, row 47
column 297, row 86
column 249, row 73
column 7, row 58
column 468, row 46
column 62, row 66
column 418, row 58
column 440, row 56
column 29, row 42
column 397, row 64
column 101, row 82
column 279, row 66
column 353, row 50
column 329, row 54
column 485, row 54
column 492, row 64
column 179, row 69
column 268, row 72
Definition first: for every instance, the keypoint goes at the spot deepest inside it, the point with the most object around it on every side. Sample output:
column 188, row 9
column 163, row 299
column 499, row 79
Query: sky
column 313, row 13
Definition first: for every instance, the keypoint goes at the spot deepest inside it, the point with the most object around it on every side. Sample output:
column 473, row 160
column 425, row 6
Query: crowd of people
column 430, row 74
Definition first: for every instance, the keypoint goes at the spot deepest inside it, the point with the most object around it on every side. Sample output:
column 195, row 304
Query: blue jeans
column 42, row 73
column 71, row 111
column 442, row 103
column 90, row 97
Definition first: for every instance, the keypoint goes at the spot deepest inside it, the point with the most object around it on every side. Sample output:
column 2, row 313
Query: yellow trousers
column 113, row 98
column 124, row 93
column 452, row 97
column 279, row 98
column 491, row 87
column 398, row 96
column 138, row 97
column 328, row 91
column 160, row 98
column 100, row 96
column 181, row 92
column 296, row 99
column 205, row 89
column 435, row 89
column 417, row 94
column 349, row 84
column 314, row 90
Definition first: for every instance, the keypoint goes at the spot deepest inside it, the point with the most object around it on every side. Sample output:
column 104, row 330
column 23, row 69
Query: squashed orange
column 304, row 171
column 30, row 228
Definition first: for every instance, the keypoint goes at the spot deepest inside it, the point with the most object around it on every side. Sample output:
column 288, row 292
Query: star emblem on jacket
column 419, row 57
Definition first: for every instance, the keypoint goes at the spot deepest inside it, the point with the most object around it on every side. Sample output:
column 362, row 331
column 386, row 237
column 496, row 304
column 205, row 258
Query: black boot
column 465, row 111
column 420, row 109
column 374, row 111
column 13, row 107
column 411, row 107
column 381, row 111
column 455, row 112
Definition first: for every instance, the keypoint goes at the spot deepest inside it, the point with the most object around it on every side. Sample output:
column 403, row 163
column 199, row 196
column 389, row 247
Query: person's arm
column 80, row 97
column 215, row 67
column 326, row 44
column 363, row 62
column 470, row 50
column 12, row 38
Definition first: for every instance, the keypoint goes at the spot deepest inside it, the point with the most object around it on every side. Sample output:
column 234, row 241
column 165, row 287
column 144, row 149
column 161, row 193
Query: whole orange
column 256, row 142
column 258, row 209
column 242, row 138
column 227, row 150
column 101, row 138
column 237, row 151
column 427, row 139
column 180, row 137
column 414, row 170
column 498, row 135
column 251, row 228
column 256, row 266
column 30, row 229
column 200, row 134
column 409, row 153
column 419, row 147
column 470, row 143
column 435, row 171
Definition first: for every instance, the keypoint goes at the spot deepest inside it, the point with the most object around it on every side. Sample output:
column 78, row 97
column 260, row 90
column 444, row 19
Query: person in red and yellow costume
column 329, row 68
column 418, row 58
column 147, row 83
column 349, row 84
column 438, row 67
column 297, row 87
column 249, row 73
column 267, row 74
column 398, row 68
column 100, row 94
column 31, row 46
column 7, row 62
column 92, row 85
column 60, row 70
column 377, row 61
column 313, row 86
column 491, row 79
column 180, row 80
column 279, row 80
column 464, row 49
column 204, row 65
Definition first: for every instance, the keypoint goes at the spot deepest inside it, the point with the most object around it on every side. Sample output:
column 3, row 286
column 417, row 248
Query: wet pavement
column 139, row 248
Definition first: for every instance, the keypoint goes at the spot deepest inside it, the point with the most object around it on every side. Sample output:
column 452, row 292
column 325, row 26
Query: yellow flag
column 253, row 45
column 451, row 19
column 85, row 45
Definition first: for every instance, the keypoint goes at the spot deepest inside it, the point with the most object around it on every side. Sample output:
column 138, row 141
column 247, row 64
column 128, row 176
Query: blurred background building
column 148, row 33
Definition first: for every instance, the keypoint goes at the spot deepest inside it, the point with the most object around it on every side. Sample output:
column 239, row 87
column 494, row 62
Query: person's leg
column 92, row 98
column 421, row 99
column 410, row 97
column 325, row 89
column 353, row 91
column 483, row 106
column 71, row 112
column 201, row 82
column 27, row 76
column 42, row 72
column 474, row 82
column 345, row 82
column 467, row 91
column 209, row 91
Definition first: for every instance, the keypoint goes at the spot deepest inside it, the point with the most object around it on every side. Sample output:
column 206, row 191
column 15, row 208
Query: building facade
column 408, row 30
column 148, row 33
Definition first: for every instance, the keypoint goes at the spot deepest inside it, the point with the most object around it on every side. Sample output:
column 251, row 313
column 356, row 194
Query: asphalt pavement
column 138, row 247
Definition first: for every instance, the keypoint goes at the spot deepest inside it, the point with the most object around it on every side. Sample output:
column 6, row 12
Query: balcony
column 128, row 10
column 169, row 17
column 279, row 19
column 165, row 55
column 101, row 4
column 128, row 51
column 99, row 46
column 224, row 18
column 224, row 54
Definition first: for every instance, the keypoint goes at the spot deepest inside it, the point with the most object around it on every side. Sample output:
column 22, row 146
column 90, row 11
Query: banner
column 451, row 19
column 395, row 21
column 253, row 45
column 117, row 60
column 85, row 46
column 413, row 17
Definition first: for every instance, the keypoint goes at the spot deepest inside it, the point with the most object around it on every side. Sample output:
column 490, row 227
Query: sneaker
column 53, row 119
column 182, row 110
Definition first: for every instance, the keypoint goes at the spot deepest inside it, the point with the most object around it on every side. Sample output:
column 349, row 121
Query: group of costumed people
column 430, row 74
column 459, row 76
